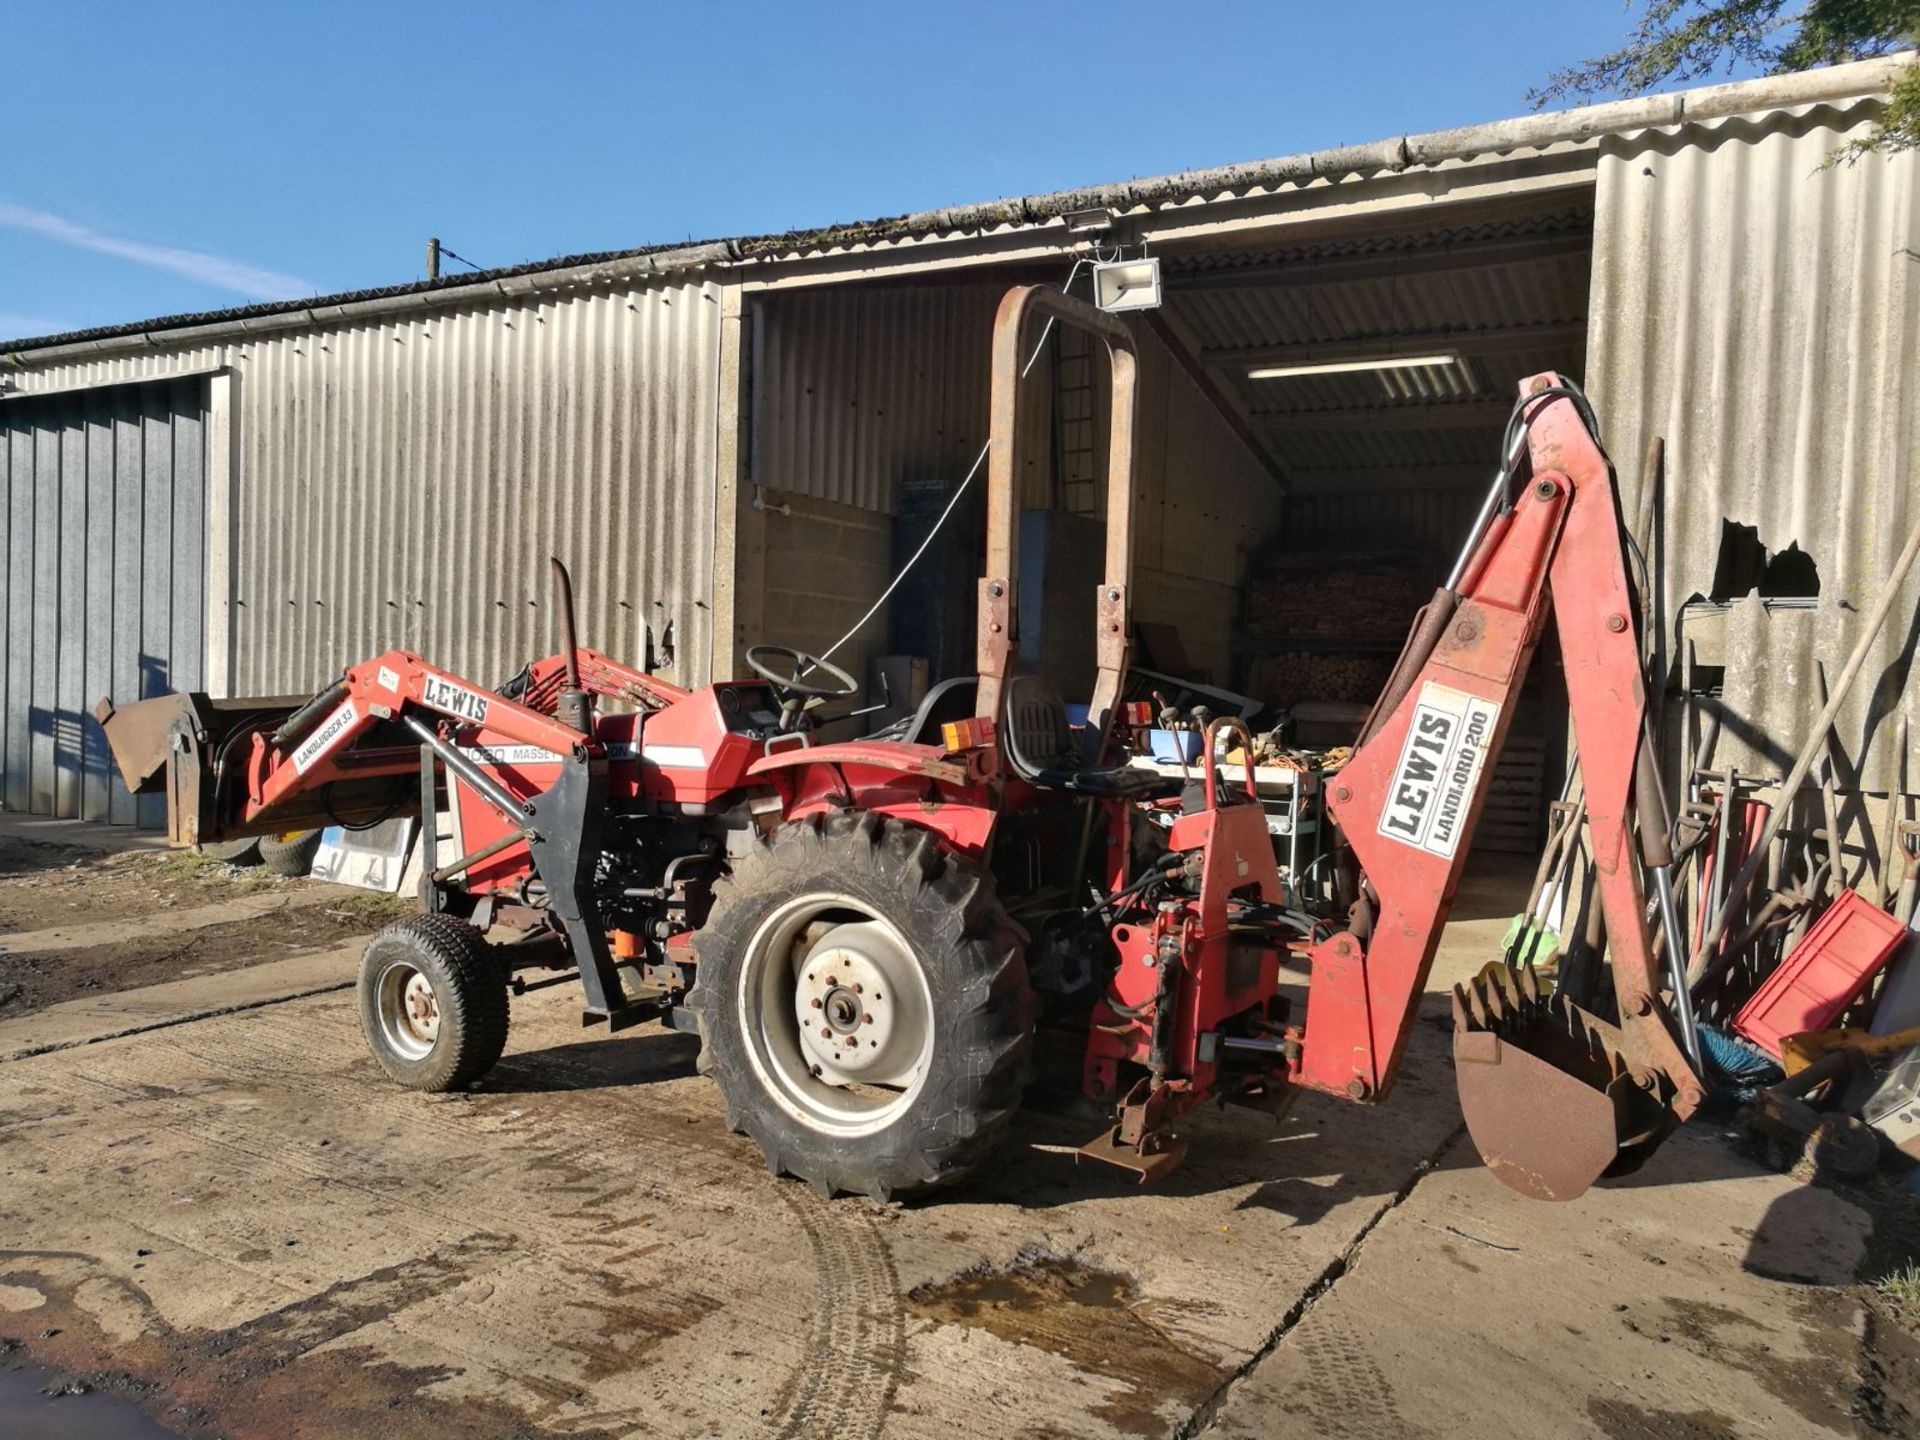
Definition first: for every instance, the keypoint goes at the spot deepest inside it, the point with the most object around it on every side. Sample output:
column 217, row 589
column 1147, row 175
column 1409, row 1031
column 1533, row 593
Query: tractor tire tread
column 241, row 853
column 470, row 986
column 291, row 858
column 940, row 901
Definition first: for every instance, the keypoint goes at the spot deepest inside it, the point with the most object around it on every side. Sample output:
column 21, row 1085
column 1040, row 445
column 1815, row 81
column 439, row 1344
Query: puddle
column 1089, row 1317
column 28, row 1413
column 252, row 1381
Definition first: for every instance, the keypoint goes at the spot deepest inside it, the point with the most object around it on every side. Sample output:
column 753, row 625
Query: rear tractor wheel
column 433, row 1002
column 863, row 1006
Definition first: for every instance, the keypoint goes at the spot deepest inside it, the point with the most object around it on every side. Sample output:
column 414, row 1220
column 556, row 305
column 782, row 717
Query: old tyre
column 241, row 852
column 433, row 1002
column 290, row 854
column 863, row 1005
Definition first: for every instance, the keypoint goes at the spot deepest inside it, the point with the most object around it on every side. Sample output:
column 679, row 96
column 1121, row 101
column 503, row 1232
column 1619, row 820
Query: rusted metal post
column 1829, row 799
column 999, row 603
column 574, row 706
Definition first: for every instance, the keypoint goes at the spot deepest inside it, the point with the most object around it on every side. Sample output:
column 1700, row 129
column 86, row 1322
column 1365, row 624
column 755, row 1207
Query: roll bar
column 999, row 608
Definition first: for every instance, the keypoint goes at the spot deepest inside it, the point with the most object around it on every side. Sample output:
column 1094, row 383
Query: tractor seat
column 951, row 699
column 1041, row 749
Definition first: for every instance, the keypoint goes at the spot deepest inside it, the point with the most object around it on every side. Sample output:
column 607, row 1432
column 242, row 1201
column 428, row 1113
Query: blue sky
column 157, row 159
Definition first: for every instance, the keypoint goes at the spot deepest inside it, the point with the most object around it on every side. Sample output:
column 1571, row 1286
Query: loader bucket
column 138, row 735
column 1548, row 1094
column 167, row 745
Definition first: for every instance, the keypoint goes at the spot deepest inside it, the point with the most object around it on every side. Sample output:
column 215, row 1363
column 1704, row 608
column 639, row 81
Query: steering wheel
column 797, row 664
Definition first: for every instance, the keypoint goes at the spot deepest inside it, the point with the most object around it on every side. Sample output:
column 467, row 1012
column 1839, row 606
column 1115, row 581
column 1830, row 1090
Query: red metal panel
column 1825, row 973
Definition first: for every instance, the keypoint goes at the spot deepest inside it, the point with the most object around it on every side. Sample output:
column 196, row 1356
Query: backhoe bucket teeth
column 1548, row 1095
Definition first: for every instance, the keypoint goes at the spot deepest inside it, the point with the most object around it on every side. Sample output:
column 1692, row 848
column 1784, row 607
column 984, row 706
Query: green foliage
column 1902, row 1288
column 1682, row 40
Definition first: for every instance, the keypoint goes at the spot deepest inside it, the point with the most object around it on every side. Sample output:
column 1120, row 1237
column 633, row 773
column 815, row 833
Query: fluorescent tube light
column 1348, row 367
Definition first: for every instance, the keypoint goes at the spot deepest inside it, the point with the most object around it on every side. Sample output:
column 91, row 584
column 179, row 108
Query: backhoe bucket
column 1549, row 1096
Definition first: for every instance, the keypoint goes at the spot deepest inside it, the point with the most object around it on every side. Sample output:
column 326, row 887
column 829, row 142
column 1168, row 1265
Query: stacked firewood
column 1358, row 597
column 1290, row 676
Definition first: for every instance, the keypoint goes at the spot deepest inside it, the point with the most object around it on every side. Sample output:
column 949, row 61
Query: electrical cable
column 972, row 471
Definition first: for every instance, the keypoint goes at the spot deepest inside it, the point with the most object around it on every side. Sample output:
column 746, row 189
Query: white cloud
column 215, row 270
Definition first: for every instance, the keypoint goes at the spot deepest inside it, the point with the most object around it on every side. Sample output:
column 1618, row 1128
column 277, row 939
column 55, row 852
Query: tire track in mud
column 845, row 1383
column 857, row 1342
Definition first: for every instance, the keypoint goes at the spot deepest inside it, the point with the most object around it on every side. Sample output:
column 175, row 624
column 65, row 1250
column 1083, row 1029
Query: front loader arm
column 232, row 768
column 254, row 768
column 599, row 675
column 1409, row 799
column 315, row 746
column 561, row 826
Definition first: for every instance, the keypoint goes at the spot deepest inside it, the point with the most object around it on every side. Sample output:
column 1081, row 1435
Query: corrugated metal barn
column 741, row 441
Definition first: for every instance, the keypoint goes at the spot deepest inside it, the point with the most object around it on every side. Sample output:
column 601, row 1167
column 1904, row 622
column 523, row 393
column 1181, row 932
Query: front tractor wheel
column 433, row 1002
column 863, row 1006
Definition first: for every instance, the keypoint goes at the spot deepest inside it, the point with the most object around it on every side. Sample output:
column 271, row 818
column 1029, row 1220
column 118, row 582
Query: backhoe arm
column 1411, row 796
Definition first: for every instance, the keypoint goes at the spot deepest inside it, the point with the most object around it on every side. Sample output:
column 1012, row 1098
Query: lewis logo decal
column 456, row 700
column 1432, row 786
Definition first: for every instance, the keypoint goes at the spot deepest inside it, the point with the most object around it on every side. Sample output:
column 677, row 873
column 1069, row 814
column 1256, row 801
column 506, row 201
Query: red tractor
column 874, row 938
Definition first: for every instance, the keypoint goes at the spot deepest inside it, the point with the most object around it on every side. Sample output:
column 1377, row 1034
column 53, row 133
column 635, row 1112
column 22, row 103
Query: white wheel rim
column 837, row 1014
column 409, row 1011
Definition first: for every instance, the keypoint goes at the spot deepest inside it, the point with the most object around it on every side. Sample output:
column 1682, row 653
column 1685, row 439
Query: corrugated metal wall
column 859, row 388
column 402, row 482
column 1760, row 309
column 100, row 583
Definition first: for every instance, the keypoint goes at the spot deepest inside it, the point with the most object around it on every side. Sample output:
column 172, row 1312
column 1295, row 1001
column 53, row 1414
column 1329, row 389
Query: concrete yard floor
column 83, row 921
column 234, row 1222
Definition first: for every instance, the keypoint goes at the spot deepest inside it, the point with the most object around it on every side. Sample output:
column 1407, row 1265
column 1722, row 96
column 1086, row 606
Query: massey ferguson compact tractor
column 876, row 940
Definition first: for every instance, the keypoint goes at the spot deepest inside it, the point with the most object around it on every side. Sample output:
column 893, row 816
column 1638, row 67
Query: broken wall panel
column 1758, row 305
